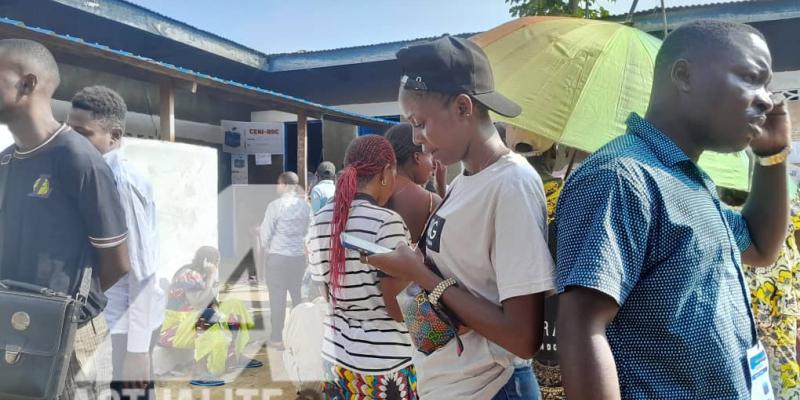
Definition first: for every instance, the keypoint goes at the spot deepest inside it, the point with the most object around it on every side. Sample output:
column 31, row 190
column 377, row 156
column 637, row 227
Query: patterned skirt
column 344, row 384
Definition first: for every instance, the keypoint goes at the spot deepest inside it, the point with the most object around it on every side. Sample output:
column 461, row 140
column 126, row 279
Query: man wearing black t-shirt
column 61, row 210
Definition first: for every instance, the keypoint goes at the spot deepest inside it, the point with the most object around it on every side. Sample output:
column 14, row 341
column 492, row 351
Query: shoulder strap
column 5, row 166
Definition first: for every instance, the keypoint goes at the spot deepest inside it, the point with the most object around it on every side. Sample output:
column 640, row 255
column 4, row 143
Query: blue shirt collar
column 660, row 144
column 665, row 149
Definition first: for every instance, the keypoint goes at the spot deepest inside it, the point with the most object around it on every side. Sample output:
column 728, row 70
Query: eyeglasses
column 413, row 84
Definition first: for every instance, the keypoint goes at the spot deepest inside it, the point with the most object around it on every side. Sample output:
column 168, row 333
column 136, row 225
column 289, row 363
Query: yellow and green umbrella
column 577, row 81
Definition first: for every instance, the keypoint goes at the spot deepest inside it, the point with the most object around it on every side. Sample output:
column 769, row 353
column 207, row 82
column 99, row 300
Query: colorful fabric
column 430, row 327
column 774, row 291
column 187, row 280
column 344, row 384
column 552, row 189
column 220, row 343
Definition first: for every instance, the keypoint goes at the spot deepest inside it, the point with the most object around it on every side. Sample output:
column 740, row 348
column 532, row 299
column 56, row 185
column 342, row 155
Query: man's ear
column 681, row 76
column 28, row 84
column 116, row 135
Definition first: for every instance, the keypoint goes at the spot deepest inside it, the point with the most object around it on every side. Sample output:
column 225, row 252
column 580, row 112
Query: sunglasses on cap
column 416, row 84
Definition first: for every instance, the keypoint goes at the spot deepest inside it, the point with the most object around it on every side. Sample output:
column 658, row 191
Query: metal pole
column 664, row 16
column 629, row 20
column 571, row 163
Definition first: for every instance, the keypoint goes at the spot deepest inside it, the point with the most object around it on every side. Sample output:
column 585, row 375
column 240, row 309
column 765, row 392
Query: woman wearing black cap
column 488, row 239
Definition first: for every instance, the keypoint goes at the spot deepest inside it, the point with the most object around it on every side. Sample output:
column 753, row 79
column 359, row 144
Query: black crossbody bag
column 37, row 328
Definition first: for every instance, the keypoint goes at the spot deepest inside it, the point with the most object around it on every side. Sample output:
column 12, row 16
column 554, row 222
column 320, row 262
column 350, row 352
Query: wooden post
column 302, row 150
column 167, row 112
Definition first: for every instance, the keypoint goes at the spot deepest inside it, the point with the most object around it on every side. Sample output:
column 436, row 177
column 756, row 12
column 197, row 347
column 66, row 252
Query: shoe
column 211, row 382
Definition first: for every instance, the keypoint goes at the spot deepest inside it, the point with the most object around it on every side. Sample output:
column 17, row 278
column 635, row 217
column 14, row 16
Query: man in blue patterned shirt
column 653, row 303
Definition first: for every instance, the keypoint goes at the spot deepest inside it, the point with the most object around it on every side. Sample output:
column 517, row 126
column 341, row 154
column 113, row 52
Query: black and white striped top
column 359, row 334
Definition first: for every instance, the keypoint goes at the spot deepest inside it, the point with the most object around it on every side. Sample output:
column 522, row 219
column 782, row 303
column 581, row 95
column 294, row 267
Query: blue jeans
column 521, row 386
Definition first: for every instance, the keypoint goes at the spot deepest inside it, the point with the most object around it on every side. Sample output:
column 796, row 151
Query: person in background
column 283, row 233
column 488, row 239
column 775, row 292
column 653, row 302
column 135, row 308
column 198, row 327
column 414, row 168
column 366, row 352
column 61, row 210
column 323, row 191
column 438, row 182
column 311, row 181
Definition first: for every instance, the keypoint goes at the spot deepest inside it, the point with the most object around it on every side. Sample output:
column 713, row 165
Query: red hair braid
column 366, row 157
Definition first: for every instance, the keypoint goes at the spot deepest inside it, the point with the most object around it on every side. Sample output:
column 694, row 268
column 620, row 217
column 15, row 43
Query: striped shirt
column 359, row 334
column 285, row 224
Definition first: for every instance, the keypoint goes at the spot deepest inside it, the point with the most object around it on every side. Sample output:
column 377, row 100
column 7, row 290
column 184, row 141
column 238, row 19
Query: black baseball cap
column 453, row 65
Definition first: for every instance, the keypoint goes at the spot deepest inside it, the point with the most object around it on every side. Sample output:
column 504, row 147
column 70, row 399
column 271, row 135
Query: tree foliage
column 569, row 8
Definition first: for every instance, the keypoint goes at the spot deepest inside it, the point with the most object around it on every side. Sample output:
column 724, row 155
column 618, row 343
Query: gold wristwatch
column 775, row 159
column 437, row 292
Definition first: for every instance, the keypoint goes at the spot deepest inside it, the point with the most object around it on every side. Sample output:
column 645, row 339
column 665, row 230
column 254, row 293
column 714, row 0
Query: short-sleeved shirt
column 359, row 333
column 322, row 194
column 490, row 234
column 61, row 203
column 642, row 223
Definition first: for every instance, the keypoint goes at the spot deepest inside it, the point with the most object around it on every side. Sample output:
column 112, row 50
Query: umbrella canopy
column 578, row 80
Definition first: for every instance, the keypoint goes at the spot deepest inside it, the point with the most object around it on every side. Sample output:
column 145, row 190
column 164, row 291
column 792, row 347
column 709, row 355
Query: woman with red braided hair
column 366, row 352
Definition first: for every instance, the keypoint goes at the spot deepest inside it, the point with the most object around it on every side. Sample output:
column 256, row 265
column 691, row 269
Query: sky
column 283, row 26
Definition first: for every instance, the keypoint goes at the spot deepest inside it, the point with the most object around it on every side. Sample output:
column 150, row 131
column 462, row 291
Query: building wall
column 335, row 139
column 788, row 85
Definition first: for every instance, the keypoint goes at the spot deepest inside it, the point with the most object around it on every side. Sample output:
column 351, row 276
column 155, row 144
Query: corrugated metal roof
column 743, row 11
column 300, row 103
column 690, row 6
column 341, row 56
column 192, row 27
column 366, row 46
column 128, row 13
column 134, row 16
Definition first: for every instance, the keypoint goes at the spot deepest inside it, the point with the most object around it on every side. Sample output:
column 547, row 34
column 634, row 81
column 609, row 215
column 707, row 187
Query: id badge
column 758, row 364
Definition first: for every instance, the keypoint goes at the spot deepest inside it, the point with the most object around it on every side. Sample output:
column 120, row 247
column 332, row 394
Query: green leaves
column 568, row 8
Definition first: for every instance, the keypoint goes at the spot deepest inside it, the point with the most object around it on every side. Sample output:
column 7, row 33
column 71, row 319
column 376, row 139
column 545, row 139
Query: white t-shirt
column 491, row 236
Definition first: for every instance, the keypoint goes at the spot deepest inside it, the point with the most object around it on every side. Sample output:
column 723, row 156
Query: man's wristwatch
column 437, row 292
column 775, row 159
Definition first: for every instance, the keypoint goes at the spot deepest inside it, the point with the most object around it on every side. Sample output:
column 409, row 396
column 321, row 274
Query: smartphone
column 362, row 246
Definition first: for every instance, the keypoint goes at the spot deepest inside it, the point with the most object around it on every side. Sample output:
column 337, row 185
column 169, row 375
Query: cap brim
column 499, row 104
